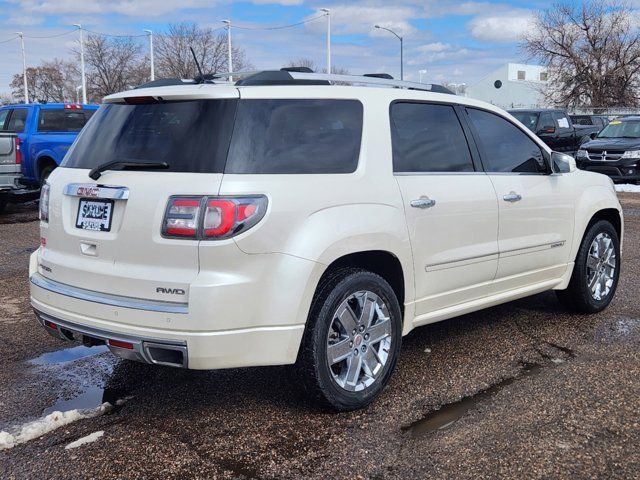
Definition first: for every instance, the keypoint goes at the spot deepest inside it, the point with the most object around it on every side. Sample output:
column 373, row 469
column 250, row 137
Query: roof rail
column 292, row 77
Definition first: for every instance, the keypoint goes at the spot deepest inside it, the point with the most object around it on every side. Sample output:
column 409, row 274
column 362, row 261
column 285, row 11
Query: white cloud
column 501, row 27
column 434, row 47
column 132, row 8
column 278, row 2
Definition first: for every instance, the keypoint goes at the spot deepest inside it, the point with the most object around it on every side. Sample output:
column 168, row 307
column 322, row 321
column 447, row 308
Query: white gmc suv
column 284, row 219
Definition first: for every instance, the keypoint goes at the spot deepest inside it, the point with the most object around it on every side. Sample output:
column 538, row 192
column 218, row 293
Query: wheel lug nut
column 364, row 348
column 350, row 344
column 362, row 328
column 366, row 336
column 354, row 332
column 355, row 352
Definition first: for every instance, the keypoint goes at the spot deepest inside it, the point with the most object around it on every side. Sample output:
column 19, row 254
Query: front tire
column 352, row 341
column 596, row 272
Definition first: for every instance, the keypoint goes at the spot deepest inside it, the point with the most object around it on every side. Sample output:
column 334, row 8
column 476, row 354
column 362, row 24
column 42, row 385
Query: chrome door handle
column 423, row 202
column 512, row 197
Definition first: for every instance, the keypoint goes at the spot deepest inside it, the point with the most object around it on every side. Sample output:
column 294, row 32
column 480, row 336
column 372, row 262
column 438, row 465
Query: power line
column 113, row 35
column 280, row 27
column 50, row 36
column 10, row 40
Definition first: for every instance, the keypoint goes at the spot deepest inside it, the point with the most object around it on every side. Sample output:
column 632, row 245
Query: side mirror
column 593, row 135
column 563, row 163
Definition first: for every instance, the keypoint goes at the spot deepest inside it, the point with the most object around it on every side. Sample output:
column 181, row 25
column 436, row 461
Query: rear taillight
column 182, row 217
column 44, row 203
column 18, row 152
column 211, row 218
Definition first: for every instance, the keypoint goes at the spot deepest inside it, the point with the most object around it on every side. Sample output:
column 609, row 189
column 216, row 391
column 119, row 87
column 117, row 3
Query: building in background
column 513, row 85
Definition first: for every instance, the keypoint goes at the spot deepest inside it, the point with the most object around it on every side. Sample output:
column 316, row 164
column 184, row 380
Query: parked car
column 46, row 131
column 555, row 128
column 599, row 121
column 284, row 220
column 615, row 151
column 10, row 159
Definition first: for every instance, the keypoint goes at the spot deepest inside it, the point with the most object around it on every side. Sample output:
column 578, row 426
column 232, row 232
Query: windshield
column 619, row 129
column 528, row 119
column 191, row 136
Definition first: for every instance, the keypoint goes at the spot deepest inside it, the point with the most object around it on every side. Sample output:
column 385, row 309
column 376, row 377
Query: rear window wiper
column 95, row 173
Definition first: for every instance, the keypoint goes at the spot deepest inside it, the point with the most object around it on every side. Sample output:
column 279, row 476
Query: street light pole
column 78, row 88
column 150, row 33
column 229, row 60
column 328, row 12
column 421, row 72
column 82, row 74
column 401, row 49
column 24, row 68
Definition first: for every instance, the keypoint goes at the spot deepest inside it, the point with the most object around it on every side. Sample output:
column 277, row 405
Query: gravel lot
column 520, row 390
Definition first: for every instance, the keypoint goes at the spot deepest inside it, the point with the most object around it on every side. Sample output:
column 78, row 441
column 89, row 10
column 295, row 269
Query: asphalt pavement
column 522, row 390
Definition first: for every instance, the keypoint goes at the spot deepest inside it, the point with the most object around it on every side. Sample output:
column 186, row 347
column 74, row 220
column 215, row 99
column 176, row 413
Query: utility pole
column 401, row 49
column 150, row 33
column 229, row 60
column 82, row 74
column 328, row 12
column 24, row 68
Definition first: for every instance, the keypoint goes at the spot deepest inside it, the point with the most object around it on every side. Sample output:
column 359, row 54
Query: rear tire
column 44, row 174
column 3, row 204
column 596, row 272
column 352, row 340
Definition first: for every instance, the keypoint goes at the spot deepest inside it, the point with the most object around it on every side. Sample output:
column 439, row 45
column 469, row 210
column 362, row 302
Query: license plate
column 94, row 215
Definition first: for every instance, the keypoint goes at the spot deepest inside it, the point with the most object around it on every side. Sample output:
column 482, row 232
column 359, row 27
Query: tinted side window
column 546, row 120
column 428, row 138
column 296, row 136
column 505, row 147
column 61, row 120
column 3, row 118
column 17, row 120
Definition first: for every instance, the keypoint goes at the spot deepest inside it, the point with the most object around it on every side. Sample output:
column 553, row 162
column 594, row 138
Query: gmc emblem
column 172, row 291
column 88, row 191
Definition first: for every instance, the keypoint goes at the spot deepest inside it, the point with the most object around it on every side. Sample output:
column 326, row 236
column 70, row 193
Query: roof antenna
column 199, row 78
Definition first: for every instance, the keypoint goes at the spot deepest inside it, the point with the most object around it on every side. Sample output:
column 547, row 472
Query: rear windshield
column 63, row 120
column 269, row 136
column 191, row 136
column 296, row 136
column 528, row 119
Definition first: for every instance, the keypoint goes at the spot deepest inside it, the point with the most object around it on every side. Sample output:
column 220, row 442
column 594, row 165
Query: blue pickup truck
column 46, row 131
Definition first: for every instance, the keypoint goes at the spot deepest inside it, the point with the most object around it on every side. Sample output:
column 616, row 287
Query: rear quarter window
column 63, row 120
column 296, row 137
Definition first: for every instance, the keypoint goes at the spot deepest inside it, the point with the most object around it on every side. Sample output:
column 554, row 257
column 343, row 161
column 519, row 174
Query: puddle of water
column 86, row 378
column 451, row 413
column 68, row 355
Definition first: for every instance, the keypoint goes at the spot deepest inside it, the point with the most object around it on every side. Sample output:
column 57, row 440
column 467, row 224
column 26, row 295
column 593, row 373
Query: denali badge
column 172, row 291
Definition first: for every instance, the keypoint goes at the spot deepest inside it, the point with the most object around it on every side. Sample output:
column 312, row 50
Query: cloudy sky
column 454, row 41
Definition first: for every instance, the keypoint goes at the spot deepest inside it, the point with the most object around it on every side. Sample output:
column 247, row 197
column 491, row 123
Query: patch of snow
column 627, row 187
column 37, row 428
column 84, row 440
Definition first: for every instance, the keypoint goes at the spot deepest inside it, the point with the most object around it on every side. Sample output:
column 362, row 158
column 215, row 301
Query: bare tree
column 173, row 57
column 592, row 51
column 113, row 65
column 6, row 99
column 52, row 81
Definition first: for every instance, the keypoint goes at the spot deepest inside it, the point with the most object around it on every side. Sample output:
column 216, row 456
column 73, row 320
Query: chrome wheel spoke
column 592, row 261
column 368, row 310
column 379, row 331
column 339, row 351
column 347, row 318
column 370, row 363
column 354, row 366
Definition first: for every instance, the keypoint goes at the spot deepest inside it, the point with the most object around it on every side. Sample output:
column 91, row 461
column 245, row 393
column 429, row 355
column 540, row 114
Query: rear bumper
column 202, row 350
